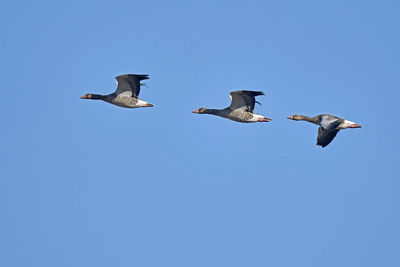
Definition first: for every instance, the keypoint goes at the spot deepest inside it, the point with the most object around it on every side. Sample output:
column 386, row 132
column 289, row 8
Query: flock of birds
column 241, row 109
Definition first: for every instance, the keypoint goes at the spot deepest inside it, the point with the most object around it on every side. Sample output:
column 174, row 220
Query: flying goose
column 241, row 108
column 329, row 126
column 127, row 92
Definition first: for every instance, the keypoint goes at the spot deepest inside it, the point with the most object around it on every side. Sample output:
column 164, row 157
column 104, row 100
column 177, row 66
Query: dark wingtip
column 135, row 76
column 144, row 76
column 252, row 93
column 322, row 145
column 256, row 93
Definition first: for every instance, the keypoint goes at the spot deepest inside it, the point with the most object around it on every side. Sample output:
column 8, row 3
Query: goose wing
column 244, row 100
column 329, row 127
column 130, row 84
column 325, row 136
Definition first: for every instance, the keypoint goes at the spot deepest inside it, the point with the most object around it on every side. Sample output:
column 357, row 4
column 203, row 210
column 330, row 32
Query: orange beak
column 147, row 105
column 83, row 97
column 195, row 111
column 290, row 118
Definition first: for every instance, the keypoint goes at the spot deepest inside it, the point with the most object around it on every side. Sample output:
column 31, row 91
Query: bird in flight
column 241, row 108
column 127, row 92
column 329, row 126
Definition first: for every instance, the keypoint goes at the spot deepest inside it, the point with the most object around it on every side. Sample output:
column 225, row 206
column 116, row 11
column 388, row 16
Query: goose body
column 127, row 92
column 241, row 108
column 329, row 126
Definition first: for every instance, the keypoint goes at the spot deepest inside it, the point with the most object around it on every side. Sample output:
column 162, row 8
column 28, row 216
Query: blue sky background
column 85, row 183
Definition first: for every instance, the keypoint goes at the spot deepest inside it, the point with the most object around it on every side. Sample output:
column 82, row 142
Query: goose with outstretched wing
column 241, row 108
column 127, row 93
column 329, row 126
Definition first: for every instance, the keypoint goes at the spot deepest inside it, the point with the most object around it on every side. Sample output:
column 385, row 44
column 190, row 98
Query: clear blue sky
column 85, row 183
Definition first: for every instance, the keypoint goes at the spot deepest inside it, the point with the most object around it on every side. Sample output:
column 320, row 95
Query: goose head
column 200, row 111
column 93, row 96
column 296, row 117
column 87, row 96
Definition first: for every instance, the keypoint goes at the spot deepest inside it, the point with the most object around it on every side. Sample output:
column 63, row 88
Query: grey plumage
column 127, row 92
column 130, row 83
column 328, row 129
column 329, row 126
column 244, row 99
column 241, row 108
